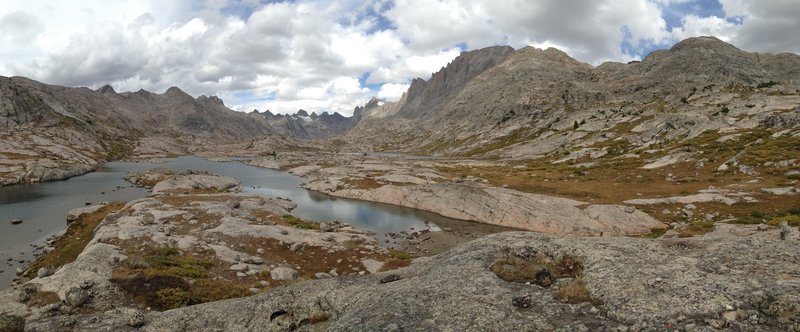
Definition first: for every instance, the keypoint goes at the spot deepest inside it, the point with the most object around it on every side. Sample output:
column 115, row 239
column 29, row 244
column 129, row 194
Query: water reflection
column 43, row 206
column 9, row 197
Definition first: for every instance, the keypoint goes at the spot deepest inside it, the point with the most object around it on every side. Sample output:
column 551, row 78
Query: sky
column 327, row 56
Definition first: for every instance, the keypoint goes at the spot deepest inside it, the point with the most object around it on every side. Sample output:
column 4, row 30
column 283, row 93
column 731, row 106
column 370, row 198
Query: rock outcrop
column 640, row 284
column 506, row 207
column 52, row 132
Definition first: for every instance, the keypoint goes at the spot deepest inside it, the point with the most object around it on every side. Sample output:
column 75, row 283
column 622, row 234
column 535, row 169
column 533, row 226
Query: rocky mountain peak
column 175, row 92
column 142, row 92
column 106, row 89
column 213, row 100
column 422, row 95
column 302, row 113
column 703, row 42
column 373, row 102
column 704, row 59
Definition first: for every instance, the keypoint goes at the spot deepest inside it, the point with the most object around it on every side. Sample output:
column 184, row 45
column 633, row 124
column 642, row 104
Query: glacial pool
column 43, row 206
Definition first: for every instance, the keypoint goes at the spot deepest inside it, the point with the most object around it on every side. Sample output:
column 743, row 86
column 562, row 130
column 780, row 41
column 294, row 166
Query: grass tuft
column 573, row 291
column 399, row 254
column 696, row 228
column 72, row 243
column 299, row 223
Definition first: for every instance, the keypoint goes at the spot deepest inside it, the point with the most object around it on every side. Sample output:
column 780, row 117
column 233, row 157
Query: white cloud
column 313, row 54
column 706, row 26
column 734, row 7
column 392, row 91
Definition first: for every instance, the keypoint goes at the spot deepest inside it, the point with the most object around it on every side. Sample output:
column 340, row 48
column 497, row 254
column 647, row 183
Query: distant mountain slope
column 497, row 102
column 51, row 132
column 304, row 125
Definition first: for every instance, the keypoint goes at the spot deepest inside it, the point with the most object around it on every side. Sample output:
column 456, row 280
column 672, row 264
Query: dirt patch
column 41, row 299
column 544, row 270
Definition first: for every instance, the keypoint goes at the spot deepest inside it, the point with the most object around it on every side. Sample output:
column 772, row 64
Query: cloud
column 19, row 28
column 769, row 26
column 334, row 55
column 706, row 26
column 392, row 91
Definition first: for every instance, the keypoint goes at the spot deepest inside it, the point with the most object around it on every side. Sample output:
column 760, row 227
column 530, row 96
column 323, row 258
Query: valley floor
column 198, row 240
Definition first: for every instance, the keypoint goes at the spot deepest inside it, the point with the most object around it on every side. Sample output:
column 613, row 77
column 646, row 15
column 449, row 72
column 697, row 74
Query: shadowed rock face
column 424, row 97
column 630, row 282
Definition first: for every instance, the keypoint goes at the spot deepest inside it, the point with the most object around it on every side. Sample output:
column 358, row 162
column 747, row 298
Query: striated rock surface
column 632, row 283
column 506, row 207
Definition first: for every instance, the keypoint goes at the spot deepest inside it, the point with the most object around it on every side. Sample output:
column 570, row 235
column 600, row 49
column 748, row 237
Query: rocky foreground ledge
column 519, row 281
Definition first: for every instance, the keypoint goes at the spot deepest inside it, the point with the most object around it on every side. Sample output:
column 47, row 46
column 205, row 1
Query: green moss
column 170, row 262
column 615, row 147
column 512, row 138
column 771, row 149
column 747, row 221
column 299, row 223
column 696, row 228
column 77, row 236
column 654, row 233
column 399, row 254
column 118, row 149
column 11, row 323
column 791, row 220
column 201, row 291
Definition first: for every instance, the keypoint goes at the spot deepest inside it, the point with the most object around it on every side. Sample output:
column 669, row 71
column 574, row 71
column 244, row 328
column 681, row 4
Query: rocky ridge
column 632, row 284
column 51, row 132
column 304, row 126
column 532, row 104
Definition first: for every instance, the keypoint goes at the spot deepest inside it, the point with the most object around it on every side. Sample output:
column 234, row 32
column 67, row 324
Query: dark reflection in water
column 8, row 197
column 43, row 206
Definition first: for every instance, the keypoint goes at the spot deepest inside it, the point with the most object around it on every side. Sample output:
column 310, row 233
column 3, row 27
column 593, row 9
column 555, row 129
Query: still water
column 43, row 206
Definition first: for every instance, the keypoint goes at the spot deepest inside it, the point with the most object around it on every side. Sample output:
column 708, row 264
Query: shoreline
column 470, row 201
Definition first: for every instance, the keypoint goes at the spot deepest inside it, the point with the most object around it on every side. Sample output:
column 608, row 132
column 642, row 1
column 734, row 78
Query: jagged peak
column 175, row 91
column 206, row 99
column 106, row 89
column 374, row 102
column 335, row 115
column 488, row 50
column 301, row 113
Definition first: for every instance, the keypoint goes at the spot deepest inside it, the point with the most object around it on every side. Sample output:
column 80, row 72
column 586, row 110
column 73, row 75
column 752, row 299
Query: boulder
column 45, row 271
column 325, row 227
column 297, row 247
column 283, row 273
column 783, row 191
column 76, row 297
column 75, row 214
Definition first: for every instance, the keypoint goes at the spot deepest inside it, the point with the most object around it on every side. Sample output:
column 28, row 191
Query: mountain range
column 495, row 102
